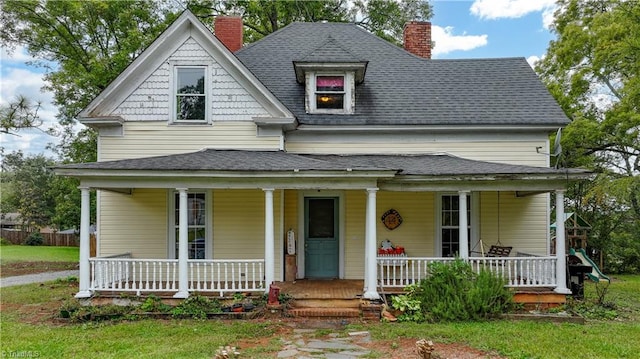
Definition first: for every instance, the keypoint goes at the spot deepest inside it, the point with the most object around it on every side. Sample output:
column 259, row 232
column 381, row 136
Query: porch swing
column 497, row 249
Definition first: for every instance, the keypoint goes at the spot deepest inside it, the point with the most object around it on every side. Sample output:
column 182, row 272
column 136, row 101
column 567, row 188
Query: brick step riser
column 326, row 303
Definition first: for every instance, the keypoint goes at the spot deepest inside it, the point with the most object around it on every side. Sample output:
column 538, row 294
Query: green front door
column 321, row 237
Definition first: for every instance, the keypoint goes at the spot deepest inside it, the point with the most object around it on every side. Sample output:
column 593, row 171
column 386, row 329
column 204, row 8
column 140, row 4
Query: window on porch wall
column 450, row 226
column 197, row 217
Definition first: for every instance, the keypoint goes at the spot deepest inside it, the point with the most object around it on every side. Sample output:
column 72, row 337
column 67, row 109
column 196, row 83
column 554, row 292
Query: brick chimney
column 417, row 38
column 228, row 29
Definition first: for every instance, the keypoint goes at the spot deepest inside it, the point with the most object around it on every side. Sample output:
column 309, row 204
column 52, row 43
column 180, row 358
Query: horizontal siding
column 513, row 152
column 144, row 139
column 520, row 222
column 416, row 233
column 135, row 223
column 238, row 226
column 229, row 101
column 354, row 244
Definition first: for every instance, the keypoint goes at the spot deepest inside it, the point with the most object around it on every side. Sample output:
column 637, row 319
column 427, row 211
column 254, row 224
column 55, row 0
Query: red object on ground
column 274, row 292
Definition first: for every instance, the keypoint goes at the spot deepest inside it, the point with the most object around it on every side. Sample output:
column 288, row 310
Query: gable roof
column 185, row 26
column 401, row 88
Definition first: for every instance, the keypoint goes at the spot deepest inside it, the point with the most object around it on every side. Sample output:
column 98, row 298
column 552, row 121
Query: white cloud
column 532, row 60
column 19, row 54
column 548, row 16
column 446, row 41
column 496, row 9
column 17, row 78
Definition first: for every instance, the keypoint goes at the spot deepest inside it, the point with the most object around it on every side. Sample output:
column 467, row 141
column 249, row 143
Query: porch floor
column 322, row 289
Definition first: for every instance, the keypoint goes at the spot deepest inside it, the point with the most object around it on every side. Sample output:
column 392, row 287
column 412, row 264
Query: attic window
column 330, row 93
column 190, row 94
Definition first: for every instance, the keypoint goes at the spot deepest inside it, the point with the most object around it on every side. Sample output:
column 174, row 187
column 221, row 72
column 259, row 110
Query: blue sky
column 460, row 28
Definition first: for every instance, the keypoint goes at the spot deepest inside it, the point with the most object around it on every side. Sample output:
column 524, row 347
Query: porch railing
column 398, row 272
column 225, row 276
column 161, row 275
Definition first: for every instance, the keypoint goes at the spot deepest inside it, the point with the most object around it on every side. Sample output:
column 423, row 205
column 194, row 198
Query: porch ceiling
column 251, row 169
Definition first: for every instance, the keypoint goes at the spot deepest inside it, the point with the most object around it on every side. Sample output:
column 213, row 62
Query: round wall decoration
column 391, row 219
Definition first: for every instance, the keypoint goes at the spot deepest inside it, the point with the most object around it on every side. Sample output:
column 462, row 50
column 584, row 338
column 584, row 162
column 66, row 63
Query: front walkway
column 36, row 278
column 333, row 347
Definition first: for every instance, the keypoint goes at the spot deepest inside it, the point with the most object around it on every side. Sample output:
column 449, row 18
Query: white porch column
column 269, row 238
column 183, row 245
column 463, row 223
column 371, row 272
column 561, row 261
column 85, row 275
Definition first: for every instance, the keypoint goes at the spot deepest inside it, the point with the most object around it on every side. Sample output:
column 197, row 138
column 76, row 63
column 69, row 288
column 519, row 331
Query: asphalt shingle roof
column 274, row 161
column 400, row 88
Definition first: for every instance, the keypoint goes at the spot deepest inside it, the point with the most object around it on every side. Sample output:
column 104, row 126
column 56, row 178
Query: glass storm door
column 321, row 237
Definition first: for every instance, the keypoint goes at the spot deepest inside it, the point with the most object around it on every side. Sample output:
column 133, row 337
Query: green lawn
column 21, row 260
column 15, row 253
column 27, row 325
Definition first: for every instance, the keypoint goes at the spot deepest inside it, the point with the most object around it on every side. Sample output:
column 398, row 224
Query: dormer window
column 330, row 93
column 190, row 94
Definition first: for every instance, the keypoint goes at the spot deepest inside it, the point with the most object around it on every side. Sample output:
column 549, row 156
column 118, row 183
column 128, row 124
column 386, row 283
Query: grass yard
column 28, row 324
column 19, row 260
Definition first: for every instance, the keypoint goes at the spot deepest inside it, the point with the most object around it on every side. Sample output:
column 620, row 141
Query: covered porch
column 362, row 178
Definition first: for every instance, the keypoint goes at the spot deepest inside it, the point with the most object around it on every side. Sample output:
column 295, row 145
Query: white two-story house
column 224, row 168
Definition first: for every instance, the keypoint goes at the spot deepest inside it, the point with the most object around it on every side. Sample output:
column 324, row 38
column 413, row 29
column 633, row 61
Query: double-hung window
column 450, row 224
column 198, row 213
column 330, row 92
column 190, row 94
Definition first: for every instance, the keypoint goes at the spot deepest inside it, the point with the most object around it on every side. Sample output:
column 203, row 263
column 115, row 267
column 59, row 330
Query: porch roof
column 211, row 161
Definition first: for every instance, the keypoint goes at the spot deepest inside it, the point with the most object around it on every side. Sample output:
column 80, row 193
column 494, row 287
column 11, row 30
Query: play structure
column 595, row 275
column 579, row 264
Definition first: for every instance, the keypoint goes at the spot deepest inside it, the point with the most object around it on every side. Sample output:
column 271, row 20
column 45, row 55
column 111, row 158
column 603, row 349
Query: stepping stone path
column 333, row 347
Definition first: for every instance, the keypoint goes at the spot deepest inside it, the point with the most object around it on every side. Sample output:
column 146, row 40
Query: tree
column 83, row 45
column 385, row 18
column 28, row 178
column 592, row 69
column 18, row 114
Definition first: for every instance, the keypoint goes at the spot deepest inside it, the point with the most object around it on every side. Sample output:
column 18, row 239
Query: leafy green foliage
column 453, row 292
column 91, row 41
column 385, row 18
column 592, row 70
column 18, row 114
column 34, row 239
column 28, row 180
column 196, row 307
column 409, row 306
column 153, row 304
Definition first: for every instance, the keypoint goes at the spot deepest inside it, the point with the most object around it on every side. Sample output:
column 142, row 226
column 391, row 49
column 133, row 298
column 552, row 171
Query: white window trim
column 174, row 66
column 208, row 240
column 473, row 221
column 349, row 92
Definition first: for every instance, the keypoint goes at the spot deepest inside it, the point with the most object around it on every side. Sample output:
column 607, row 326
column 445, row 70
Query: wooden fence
column 50, row 239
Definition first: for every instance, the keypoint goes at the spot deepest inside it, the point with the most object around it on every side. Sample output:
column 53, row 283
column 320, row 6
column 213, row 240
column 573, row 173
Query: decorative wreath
column 391, row 219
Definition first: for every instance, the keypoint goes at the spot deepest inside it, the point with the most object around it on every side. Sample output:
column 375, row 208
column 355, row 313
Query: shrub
column 4, row 242
column 453, row 292
column 34, row 239
column 153, row 304
column 196, row 307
